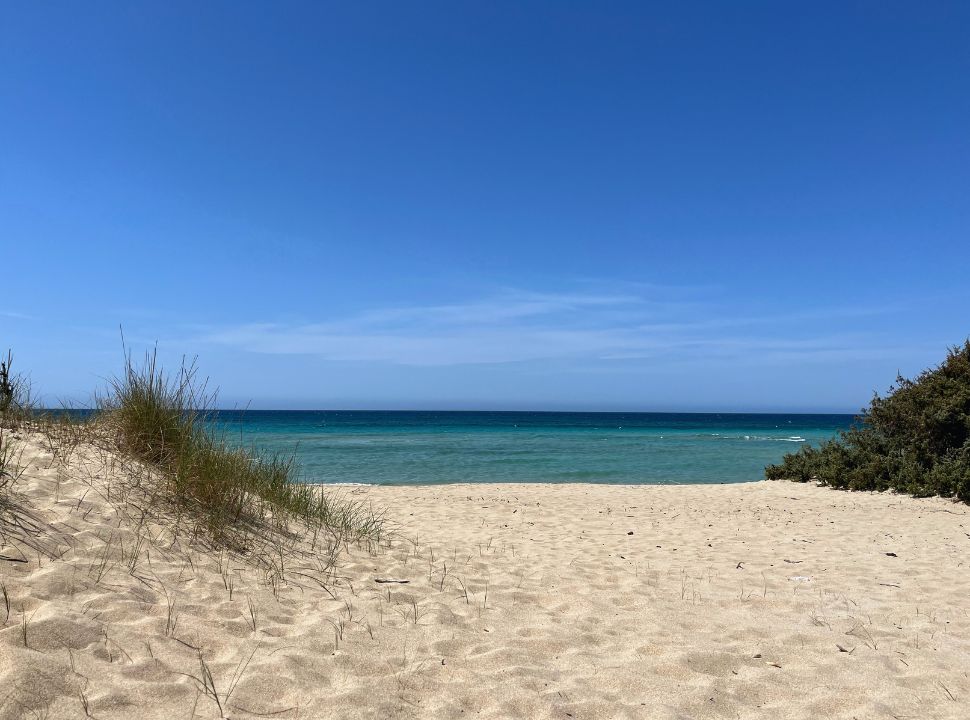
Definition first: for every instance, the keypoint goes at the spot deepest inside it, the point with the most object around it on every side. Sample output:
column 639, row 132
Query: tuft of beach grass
column 167, row 421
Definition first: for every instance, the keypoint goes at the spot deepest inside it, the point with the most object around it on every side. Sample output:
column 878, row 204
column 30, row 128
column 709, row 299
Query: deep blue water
column 395, row 447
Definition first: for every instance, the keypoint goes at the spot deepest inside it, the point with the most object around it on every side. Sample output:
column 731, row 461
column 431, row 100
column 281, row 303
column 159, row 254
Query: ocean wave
column 757, row 438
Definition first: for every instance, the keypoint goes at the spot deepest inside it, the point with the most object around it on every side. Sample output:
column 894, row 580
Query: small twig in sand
column 6, row 602
column 253, row 612
column 84, row 703
column 463, row 588
column 24, row 624
column 338, row 632
column 171, row 617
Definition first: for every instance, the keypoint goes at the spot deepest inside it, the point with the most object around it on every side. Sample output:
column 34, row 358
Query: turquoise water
column 443, row 447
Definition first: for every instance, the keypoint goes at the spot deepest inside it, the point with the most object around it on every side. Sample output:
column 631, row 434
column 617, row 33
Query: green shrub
column 6, row 384
column 15, row 395
column 915, row 440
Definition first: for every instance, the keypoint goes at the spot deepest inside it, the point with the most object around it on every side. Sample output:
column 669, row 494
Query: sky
column 757, row 206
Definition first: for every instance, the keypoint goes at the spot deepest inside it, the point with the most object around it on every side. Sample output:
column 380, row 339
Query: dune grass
column 16, row 400
column 7, row 464
column 166, row 421
column 15, row 405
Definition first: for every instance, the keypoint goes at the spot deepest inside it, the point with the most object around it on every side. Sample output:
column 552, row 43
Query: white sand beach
column 760, row 600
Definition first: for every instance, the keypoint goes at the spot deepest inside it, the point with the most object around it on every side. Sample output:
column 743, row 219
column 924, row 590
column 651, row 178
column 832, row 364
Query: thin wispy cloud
column 518, row 326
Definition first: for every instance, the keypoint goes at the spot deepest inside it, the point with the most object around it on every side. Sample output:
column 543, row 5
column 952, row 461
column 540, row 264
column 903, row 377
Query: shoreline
column 764, row 599
column 517, row 483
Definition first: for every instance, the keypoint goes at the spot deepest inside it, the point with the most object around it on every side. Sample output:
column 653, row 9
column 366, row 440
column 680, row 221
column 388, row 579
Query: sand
column 758, row 600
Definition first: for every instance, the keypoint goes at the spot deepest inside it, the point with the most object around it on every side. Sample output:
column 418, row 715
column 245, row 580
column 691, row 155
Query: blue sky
column 654, row 206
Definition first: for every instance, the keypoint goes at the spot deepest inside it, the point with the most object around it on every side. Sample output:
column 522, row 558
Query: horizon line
column 468, row 410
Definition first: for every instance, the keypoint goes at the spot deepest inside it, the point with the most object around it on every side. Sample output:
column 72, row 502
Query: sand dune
column 763, row 600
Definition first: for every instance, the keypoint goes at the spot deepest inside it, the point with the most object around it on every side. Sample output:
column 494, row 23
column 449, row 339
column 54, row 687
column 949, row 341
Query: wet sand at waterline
column 757, row 600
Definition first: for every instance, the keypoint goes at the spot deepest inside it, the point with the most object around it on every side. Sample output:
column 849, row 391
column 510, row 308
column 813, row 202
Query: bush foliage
column 915, row 440
column 15, row 399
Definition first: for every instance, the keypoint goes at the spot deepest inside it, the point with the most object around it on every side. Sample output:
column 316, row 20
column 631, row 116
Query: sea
column 427, row 447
